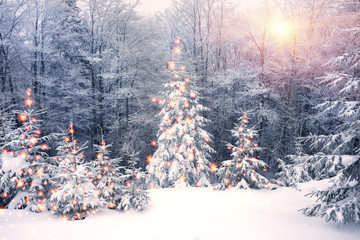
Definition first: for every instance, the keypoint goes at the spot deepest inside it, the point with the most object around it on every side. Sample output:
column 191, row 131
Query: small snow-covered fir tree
column 25, row 163
column 134, row 194
column 242, row 171
column 75, row 195
column 106, row 174
column 341, row 201
column 181, row 158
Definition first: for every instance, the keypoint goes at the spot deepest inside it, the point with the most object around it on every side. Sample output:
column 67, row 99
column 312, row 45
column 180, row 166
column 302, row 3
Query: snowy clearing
column 190, row 214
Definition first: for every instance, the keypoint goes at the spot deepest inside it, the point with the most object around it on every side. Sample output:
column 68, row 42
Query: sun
column 282, row 29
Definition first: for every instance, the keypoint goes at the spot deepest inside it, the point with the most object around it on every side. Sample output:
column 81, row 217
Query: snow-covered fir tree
column 181, row 158
column 75, row 195
column 243, row 170
column 341, row 201
column 26, row 169
column 134, row 195
column 106, row 175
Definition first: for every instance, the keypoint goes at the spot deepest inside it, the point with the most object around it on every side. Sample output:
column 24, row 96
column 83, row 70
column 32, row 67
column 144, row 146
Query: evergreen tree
column 340, row 114
column 106, row 174
column 183, row 151
column 75, row 195
column 134, row 194
column 242, row 171
column 30, row 170
column 341, row 201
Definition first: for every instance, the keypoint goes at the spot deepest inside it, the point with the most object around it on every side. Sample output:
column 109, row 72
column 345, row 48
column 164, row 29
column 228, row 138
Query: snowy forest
column 100, row 104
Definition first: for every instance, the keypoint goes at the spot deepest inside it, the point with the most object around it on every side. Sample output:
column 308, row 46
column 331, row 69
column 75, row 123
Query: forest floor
column 190, row 214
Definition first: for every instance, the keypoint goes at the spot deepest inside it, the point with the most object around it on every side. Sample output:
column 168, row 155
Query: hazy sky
column 152, row 6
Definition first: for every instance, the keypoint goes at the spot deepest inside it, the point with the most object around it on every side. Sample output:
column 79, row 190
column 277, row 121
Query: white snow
column 190, row 214
column 10, row 163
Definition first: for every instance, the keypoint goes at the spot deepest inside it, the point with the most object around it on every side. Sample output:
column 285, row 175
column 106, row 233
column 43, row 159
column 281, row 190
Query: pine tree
column 183, row 151
column 341, row 201
column 32, row 171
column 242, row 171
column 106, row 175
column 134, row 194
column 75, row 195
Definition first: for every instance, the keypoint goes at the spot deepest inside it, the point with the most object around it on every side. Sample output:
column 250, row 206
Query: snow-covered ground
column 190, row 214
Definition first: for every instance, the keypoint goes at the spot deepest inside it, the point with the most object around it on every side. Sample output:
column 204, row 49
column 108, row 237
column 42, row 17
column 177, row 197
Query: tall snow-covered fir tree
column 341, row 201
column 26, row 169
column 243, row 170
column 134, row 194
column 75, row 195
column 106, row 175
column 181, row 158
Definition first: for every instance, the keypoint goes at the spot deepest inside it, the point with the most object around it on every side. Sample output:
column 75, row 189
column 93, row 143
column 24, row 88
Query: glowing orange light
column 177, row 50
column 34, row 119
column 268, row 185
column 33, row 139
column 186, row 105
column 226, row 180
column 38, row 132
column 264, row 169
column 84, row 207
column 176, row 148
column 27, row 127
column 245, row 120
column 213, row 167
column 239, row 165
column 256, row 145
column 29, row 171
column 161, row 102
column 178, row 119
column 241, row 150
column 40, row 193
column 28, row 92
column 176, row 75
column 74, row 152
column 20, row 183
column 5, row 151
column 191, row 156
column 27, row 199
column 182, row 88
column 23, row 155
column 5, row 194
column 171, row 65
column 171, row 103
column 187, row 80
column 71, row 131
column 197, row 184
column 99, row 177
column 40, row 172
column 182, row 178
column 193, row 94
column 153, row 143
column 247, row 141
column 171, row 84
column 206, row 139
column 22, row 117
column 244, row 174
column 149, row 159
column 177, row 40
column 182, row 68
column 188, row 120
column 128, row 184
column 74, row 201
column 29, row 102
column 168, row 163
column 44, row 146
